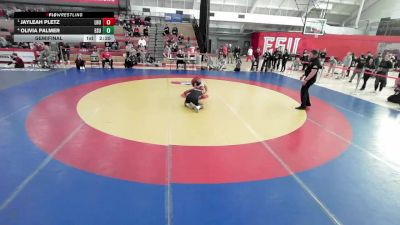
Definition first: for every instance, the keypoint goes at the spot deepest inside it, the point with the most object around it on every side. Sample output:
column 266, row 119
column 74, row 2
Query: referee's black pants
column 304, row 95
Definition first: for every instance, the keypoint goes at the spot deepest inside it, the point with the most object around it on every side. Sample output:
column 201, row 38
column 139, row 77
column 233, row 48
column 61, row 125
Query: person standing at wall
column 322, row 56
column 382, row 71
column 310, row 77
column 256, row 59
column 230, row 54
column 250, row 54
column 359, row 68
column 237, row 52
column 378, row 60
column 274, row 59
column 332, row 66
column 369, row 69
column 304, row 59
column 225, row 51
column 266, row 61
column 353, row 63
column 285, row 58
column 278, row 58
column 346, row 63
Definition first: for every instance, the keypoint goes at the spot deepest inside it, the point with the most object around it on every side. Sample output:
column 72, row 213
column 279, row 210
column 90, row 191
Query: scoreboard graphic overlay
column 64, row 27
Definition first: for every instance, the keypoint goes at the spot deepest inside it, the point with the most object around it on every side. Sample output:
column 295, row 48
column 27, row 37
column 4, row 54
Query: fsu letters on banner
column 336, row 45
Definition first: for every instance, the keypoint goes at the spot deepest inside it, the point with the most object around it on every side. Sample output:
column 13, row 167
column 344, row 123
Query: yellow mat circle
column 152, row 111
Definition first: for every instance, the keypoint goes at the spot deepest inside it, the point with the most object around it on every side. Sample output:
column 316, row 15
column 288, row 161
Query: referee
column 310, row 76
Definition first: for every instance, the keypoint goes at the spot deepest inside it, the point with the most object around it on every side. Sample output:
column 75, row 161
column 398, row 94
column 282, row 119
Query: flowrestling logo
column 291, row 44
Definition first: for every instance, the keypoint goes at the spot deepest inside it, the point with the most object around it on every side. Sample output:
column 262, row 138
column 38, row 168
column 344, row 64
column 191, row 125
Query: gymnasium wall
column 336, row 45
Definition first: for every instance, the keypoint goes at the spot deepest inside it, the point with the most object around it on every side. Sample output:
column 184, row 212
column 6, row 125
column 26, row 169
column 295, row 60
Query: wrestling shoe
column 196, row 108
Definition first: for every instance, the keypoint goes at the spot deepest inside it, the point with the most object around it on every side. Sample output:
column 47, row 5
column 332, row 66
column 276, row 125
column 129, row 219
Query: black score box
column 60, row 30
column 58, row 22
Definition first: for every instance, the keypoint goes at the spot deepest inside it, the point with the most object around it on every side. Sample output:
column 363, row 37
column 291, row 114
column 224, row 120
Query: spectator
column 147, row 21
column 180, row 39
column 237, row 52
column 285, row 58
column 369, row 56
column 170, row 39
column 83, row 46
column 230, row 54
column 167, row 51
column 276, row 58
column 66, row 49
column 132, row 20
column 108, row 44
column 304, row 59
column 128, row 29
column 353, row 63
column 79, row 62
column 146, row 31
column 322, row 56
column 395, row 98
column 166, row 30
column 296, row 64
column 225, row 51
column 220, row 52
column 121, row 19
column 256, row 59
column 250, row 54
column 17, row 61
column 23, row 45
column 346, row 63
column 382, row 72
column 267, row 57
column 61, row 52
column 332, row 66
column 378, row 60
column 221, row 64
column 175, row 30
column 174, row 47
column 95, row 51
column 142, row 43
column 128, row 48
column 369, row 69
column 106, row 57
column 136, row 32
column 130, row 61
column 3, row 42
column 180, row 59
column 137, row 21
column 238, row 65
column 188, row 42
column 45, row 56
column 115, row 46
column 359, row 70
column 55, row 50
